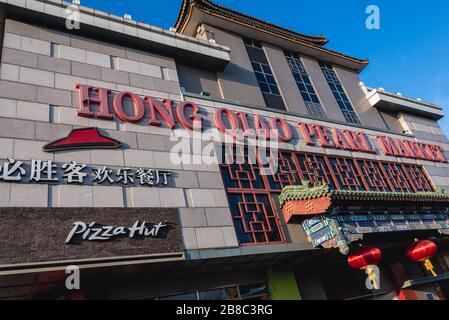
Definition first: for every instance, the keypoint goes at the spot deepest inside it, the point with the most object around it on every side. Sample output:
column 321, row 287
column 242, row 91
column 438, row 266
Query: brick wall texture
column 32, row 235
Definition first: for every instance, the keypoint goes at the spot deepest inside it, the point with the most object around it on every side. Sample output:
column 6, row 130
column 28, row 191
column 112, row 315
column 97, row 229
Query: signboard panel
column 39, row 235
column 391, row 223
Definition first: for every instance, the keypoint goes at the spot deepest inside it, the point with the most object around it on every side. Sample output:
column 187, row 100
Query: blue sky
column 409, row 54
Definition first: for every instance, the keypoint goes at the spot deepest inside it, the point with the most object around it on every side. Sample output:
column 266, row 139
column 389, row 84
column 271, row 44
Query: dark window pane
column 274, row 90
column 219, row 294
column 306, row 88
column 309, row 88
column 260, row 77
column 264, row 87
column 247, row 41
column 305, row 96
column 306, row 79
column 257, row 67
column 302, row 87
column 266, row 69
column 314, row 98
column 273, row 236
column 260, row 237
column 297, row 77
column 254, row 291
column 183, row 296
column 270, row 80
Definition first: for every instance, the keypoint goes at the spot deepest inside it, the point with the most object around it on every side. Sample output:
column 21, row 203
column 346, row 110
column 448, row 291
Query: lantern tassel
column 370, row 270
column 429, row 266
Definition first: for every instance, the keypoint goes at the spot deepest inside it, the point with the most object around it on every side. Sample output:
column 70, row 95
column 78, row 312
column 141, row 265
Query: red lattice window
column 397, row 177
column 315, row 169
column 251, row 195
column 418, row 178
column 286, row 173
column 347, row 175
column 375, row 177
column 255, row 219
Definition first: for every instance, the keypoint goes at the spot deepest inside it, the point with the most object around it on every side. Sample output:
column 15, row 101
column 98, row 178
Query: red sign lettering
column 335, row 138
column 164, row 110
column 188, row 115
column 86, row 100
column 410, row 149
column 186, row 112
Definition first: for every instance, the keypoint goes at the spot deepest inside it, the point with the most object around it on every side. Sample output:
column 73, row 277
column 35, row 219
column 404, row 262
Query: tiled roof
column 306, row 192
column 212, row 8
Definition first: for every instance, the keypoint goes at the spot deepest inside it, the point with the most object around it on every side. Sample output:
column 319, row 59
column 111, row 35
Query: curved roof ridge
column 307, row 191
column 210, row 7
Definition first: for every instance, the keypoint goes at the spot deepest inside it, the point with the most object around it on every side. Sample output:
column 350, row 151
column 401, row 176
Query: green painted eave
column 307, row 192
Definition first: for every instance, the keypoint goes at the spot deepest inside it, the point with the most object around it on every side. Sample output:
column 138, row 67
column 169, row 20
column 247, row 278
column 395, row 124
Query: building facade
column 122, row 154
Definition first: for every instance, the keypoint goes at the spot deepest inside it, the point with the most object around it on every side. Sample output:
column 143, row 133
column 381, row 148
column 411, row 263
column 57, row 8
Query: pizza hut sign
column 95, row 232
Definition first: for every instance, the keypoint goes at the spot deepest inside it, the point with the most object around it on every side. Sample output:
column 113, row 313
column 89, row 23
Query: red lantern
column 365, row 259
column 422, row 251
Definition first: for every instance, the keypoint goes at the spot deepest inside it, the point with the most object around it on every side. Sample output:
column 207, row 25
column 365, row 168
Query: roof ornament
column 304, row 191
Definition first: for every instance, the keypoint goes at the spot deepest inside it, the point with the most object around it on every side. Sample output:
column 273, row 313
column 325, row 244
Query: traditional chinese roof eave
column 298, row 193
column 214, row 9
column 313, row 45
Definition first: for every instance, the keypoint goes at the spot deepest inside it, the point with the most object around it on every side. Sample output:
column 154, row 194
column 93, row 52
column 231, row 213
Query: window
column 305, row 86
column 339, row 94
column 265, row 78
column 252, row 43
column 54, row 50
column 257, row 291
column 114, row 62
column 182, row 296
column 230, row 293
column 264, row 75
column 252, row 197
column 254, row 292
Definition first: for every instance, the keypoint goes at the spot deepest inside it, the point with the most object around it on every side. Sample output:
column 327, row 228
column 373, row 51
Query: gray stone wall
column 322, row 89
column 196, row 80
column 429, row 131
column 38, row 105
column 237, row 81
column 284, row 77
column 368, row 115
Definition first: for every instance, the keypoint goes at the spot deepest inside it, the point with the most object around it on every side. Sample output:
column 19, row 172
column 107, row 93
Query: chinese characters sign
column 50, row 172
column 319, row 230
